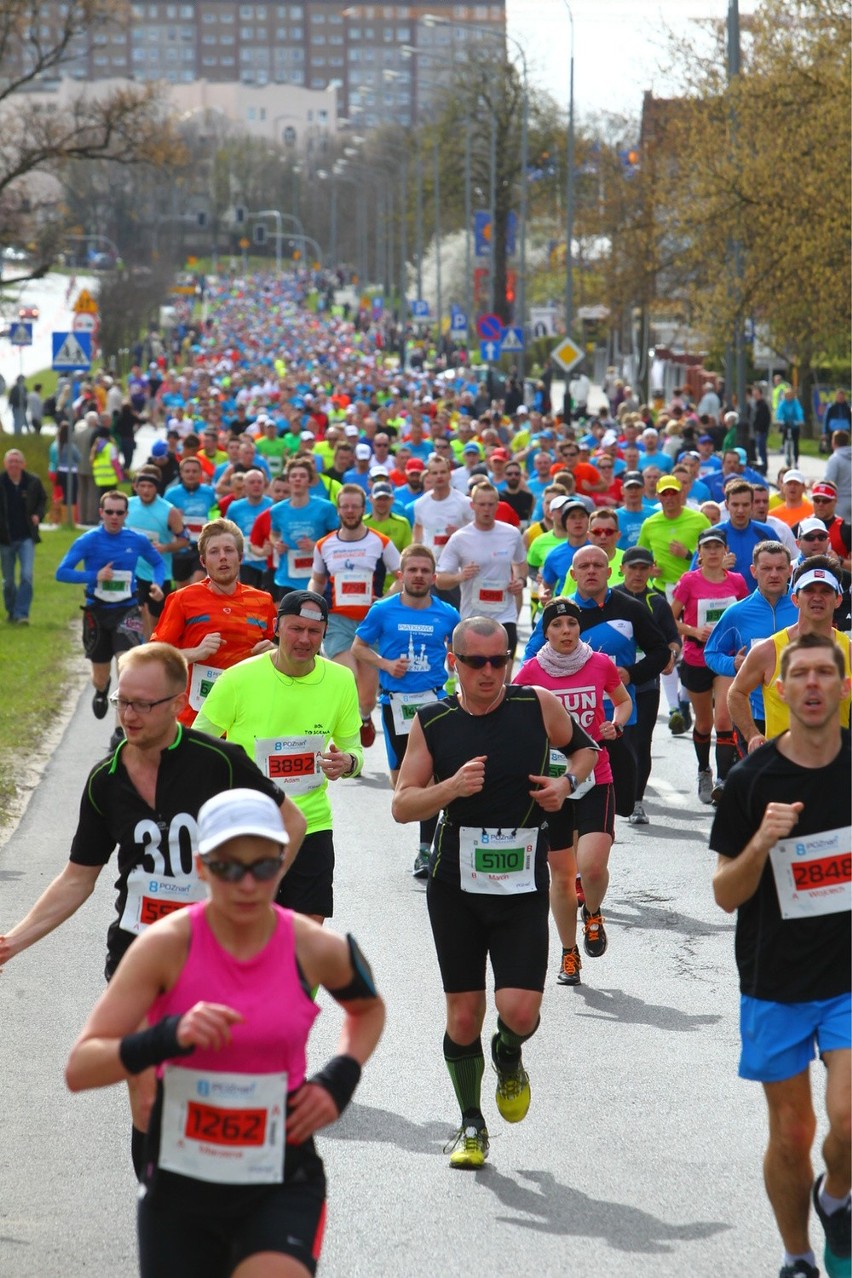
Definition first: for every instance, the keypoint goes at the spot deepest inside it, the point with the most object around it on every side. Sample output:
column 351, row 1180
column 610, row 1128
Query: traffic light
column 239, row 215
column 260, row 235
column 510, row 286
column 202, row 220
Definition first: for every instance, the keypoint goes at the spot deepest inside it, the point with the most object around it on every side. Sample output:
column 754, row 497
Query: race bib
column 491, row 594
column 293, row 762
column 192, row 525
column 497, row 862
column 226, row 1129
column 404, row 706
column 299, row 563
column 354, row 586
column 153, row 896
column 149, row 534
column 200, row 682
column 710, row 610
column 813, row 875
column 440, row 538
column 117, row 589
column 558, row 766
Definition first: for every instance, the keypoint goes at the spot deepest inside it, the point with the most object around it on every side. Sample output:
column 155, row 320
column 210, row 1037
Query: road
column 641, row 1153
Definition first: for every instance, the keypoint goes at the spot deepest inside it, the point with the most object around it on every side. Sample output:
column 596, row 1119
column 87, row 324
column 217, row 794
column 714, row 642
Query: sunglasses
column 815, row 537
column 235, row 871
column 479, row 663
column 603, row 532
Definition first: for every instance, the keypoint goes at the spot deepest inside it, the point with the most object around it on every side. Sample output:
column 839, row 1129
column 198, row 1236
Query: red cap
column 414, row 463
column 500, row 454
column 824, row 489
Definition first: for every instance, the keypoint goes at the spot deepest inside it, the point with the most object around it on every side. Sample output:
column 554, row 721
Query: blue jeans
column 18, row 598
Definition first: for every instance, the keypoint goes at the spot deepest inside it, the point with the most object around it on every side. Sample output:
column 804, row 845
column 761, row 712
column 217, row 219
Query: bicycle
column 788, row 446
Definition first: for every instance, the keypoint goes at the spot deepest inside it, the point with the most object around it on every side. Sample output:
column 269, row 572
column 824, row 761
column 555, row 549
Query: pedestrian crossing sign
column 21, row 334
column 72, row 351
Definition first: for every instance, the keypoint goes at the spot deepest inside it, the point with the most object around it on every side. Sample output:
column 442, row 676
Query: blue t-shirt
column 661, row 460
column 97, row 548
column 395, row 630
column 630, row 521
column 195, row 507
column 557, row 562
column 244, row 513
column 291, row 523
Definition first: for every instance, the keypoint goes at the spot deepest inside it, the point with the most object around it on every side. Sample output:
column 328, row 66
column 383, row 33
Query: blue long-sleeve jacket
column 97, row 548
column 741, row 626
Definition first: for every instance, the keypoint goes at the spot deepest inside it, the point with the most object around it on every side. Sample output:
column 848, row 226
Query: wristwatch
column 573, row 780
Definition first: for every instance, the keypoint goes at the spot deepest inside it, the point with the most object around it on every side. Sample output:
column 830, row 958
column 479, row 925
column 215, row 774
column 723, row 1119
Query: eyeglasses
column 815, row 537
column 603, row 532
column 111, row 510
column 235, row 871
column 821, row 500
column 479, row 663
column 138, row 707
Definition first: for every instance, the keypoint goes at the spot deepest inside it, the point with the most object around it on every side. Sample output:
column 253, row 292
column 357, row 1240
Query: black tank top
column 514, row 739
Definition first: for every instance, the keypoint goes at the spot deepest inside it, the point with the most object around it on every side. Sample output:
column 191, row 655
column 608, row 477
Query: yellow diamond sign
column 567, row 354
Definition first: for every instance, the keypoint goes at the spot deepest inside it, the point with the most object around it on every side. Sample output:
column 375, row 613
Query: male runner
column 217, row 622
column 405, row 637
column 782, row 835
column 144, row 799
column 349, row 569
column 296, row 714
column 112, row 621
column 815, row 593
column 296, row 524
column 194, row 500
column 481, row 758
column 162, row 523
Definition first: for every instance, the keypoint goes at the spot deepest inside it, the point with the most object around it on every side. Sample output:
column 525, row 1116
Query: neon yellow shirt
column 282, row 723
column 656, row 533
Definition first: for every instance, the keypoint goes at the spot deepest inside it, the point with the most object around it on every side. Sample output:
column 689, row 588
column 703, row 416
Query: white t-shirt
column 494, row 552
column 435, row 516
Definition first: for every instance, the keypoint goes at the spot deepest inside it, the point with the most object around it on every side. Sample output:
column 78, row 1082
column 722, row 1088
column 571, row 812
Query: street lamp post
column 569, row 194
column 430, row 20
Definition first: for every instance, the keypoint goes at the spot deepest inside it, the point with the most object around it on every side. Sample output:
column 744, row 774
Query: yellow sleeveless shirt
column 777, row 714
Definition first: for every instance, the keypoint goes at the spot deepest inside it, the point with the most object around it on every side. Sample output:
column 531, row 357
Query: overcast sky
column 618, row 46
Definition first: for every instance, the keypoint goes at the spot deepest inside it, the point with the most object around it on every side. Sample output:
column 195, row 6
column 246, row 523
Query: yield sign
column 567, row 354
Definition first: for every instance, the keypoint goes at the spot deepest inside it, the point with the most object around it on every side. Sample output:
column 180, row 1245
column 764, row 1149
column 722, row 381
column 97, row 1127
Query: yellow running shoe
column 469, row 1148
column 513, row 1087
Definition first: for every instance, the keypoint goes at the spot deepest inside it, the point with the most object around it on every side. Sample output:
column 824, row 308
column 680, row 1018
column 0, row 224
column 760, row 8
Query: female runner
column 700, row 598
column 232, row 1182
column 581, row 833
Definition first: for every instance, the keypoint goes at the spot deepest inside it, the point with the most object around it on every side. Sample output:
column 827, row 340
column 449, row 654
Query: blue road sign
column 490, row 328
column 458, row 322
column 72, row 352
column 489, row 351
column 21, row 333
column 482, row 233
column 512, row 340
column 420, row 309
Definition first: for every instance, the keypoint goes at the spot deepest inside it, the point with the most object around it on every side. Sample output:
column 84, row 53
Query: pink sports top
column 267, row 991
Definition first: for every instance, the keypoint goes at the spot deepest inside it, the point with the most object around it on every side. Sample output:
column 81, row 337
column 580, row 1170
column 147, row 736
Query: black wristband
column 339, row 1077
column 152, row 1046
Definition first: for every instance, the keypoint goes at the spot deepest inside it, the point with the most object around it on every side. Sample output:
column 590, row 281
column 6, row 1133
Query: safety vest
column 103, row 472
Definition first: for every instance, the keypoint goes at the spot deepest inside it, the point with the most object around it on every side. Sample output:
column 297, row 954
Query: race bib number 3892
column 813, row 875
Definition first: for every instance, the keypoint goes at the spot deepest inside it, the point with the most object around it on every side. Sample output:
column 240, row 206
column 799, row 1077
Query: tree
column 763, row 162
column 125, row 126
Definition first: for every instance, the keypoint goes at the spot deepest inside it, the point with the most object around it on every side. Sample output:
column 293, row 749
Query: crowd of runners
column 321, row 543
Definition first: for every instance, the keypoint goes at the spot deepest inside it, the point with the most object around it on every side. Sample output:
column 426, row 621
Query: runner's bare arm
column 751, row 674
column 416, row 797
column 295, row 825
column 57, row 903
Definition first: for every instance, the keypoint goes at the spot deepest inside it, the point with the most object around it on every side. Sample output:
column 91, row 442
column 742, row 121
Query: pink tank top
column 265, row 989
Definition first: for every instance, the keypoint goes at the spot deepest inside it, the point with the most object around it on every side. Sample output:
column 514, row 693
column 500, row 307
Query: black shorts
column 109, row 631
column 189, row 1229
column 511, row 628
column 143, row 596
column 593, row 813
column 468, row 928
column 308, row 886
column 251, row 576
column 696, row 678
column 185, row 564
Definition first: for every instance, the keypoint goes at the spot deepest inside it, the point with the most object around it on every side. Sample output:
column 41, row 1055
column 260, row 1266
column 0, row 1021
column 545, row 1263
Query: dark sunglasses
column 479, row 663
column 815, row 537
column 235, row 871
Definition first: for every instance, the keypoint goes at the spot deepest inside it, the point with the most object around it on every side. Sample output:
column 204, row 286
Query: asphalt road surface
column 640, row 1155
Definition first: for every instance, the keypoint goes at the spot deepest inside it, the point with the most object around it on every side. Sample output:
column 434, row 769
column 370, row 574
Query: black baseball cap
column 631, row 477
column 304, row 603
column 637, row 555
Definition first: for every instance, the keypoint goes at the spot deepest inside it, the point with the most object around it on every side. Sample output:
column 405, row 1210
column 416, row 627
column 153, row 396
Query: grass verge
column 36, row 663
